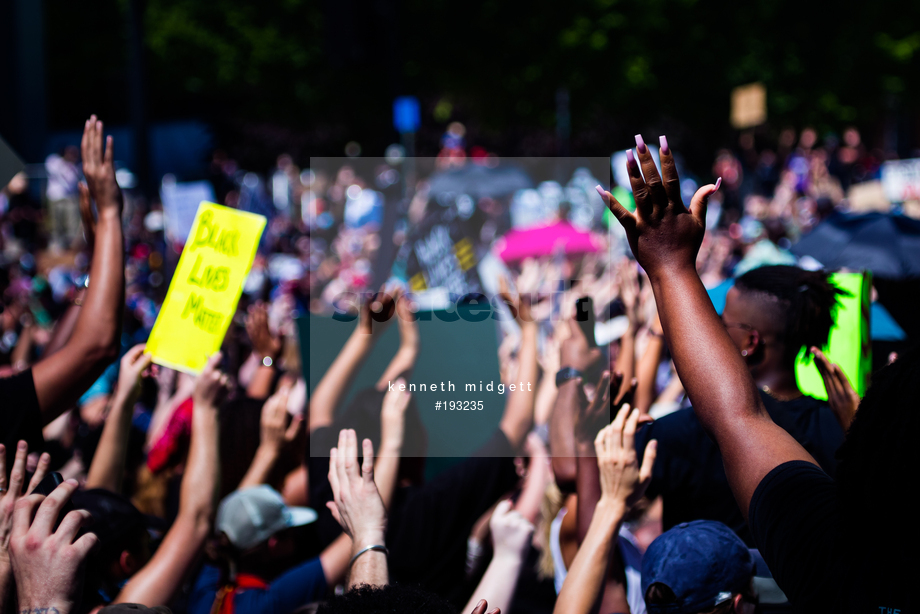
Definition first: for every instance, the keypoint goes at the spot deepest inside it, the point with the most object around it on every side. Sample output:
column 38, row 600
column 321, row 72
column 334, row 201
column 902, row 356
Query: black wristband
column 565, row 374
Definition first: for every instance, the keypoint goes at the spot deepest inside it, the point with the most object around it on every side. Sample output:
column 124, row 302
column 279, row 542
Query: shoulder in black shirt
column 20, row 415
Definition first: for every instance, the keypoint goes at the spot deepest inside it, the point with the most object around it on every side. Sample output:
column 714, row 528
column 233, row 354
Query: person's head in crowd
column 389, row 598
column 257, row 531
column 363, row 415
column 773, row 311
column 125, row 543
column 698, row 567
column 878, row 463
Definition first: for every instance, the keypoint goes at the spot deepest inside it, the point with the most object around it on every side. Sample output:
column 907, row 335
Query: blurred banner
column 180, row 205
column 749, row 106
column 901, row 180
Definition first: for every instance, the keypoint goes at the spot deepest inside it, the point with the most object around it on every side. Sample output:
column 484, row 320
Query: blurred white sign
column 901, row 180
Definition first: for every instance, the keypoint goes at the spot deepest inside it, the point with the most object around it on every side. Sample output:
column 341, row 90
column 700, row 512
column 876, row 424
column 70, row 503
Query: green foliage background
column 309, row 76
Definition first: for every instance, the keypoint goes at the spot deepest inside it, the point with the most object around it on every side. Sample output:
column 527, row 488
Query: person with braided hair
column 770, row 314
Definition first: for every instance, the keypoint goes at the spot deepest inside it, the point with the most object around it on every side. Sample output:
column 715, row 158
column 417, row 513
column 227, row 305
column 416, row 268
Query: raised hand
column 273, row 426
column 131, row 370
column 576, row 352
column 623, row 480
column 357, row 505
column 841, row 396
column 10, row 493
column 264, row 343
column 210, row 384
column 662, row 233
column 48, row 564
column 519, row 304
column 511, row 532
column 99, row 167
column 393, row 419
column 593, row 416
column 377, row 313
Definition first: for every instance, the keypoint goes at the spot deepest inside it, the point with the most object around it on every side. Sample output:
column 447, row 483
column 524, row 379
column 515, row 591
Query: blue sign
column 406, row 114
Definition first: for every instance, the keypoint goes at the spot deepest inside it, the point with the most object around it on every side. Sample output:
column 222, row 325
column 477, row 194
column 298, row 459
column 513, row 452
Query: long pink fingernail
column 718, row 182
column 600, row 191
column 640, row 144
column 630, row 159
column 663, row 141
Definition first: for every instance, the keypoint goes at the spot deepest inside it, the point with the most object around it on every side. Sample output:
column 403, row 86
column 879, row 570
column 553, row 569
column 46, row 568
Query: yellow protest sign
column 206, row 287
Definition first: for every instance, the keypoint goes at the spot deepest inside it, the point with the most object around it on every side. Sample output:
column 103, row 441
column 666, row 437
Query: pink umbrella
column 545, row 240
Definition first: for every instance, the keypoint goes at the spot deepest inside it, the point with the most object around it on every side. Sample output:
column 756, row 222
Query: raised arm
column 392, row 433
column 404, row 360
column 647, row 369
column 518, row 417
column 274, row 434
column 357, row 506
column 623, row 482
column 266, row 346
column 665, row 237
column 63, row 376
column 578, row 355
column 157, row 582
column 335, row 382
column 108, row 466
column 511, row 534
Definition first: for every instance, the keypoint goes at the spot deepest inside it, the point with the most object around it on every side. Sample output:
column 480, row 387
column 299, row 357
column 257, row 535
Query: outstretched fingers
column 656, row 193
column 700, row 201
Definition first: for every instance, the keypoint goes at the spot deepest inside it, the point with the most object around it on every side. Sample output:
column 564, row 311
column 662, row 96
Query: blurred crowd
column 616, row 482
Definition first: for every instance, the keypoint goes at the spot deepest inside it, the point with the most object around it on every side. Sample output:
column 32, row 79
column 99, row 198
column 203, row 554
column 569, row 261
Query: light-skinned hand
column 623, row 480
column 393, row 418
column 511, row 532
column 12, row 492
column 356, row 504
column 48, row 564
column 97, row 152
column 210, row 383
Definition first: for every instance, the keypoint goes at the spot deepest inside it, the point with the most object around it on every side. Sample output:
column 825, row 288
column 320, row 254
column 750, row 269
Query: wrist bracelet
column 382, row 549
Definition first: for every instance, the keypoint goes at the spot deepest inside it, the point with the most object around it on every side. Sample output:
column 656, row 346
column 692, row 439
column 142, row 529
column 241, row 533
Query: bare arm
column 665, row 238
column 274, row 433
column 623, row 482
column 161, row 577
column 61, row 378
column 357, row 506
column 539, row 474
column 647, row 369
column 404, row 360
column 392, row 433
column 266, row 347
column 335, row 382
column 511, row 533
column 108, row 466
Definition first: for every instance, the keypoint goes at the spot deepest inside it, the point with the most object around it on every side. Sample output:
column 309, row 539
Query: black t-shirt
column 795, row 519
column 688, row 472
column 429, row 524
column 20, row 416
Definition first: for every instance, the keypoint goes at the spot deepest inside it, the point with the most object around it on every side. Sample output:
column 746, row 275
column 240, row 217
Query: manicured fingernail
column 718, row 183
column 663, row 141
column 630, row 159
column 72, row 482
column 600, row 191
column 640, row 144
